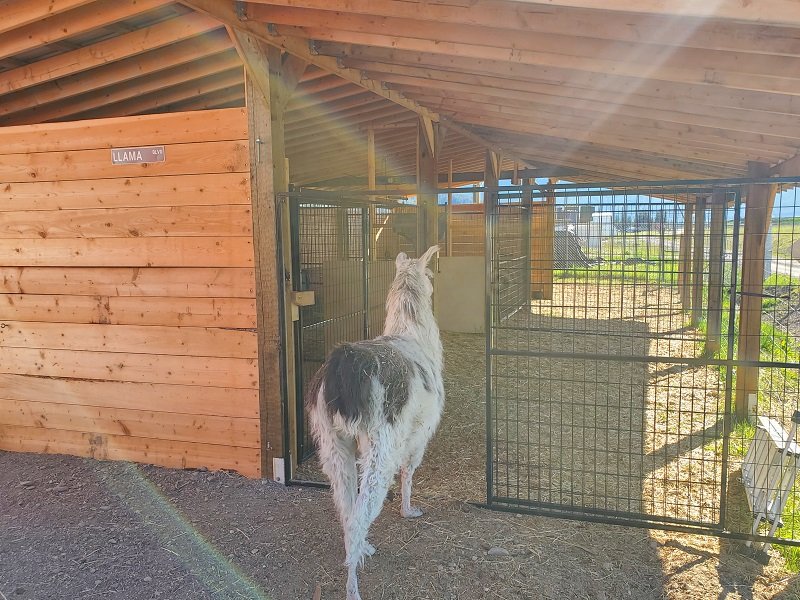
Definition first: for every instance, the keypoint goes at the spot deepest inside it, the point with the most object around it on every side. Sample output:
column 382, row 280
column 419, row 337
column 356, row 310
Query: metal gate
column 343, row 249
column 612, row 394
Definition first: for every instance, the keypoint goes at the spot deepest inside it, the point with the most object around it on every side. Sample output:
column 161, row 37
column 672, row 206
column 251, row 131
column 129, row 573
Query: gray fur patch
column 426, row 378
column 348, row 377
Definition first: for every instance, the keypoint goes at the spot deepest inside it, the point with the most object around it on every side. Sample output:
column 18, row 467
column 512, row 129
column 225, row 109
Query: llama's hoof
column 369, row 549
column 411, row 513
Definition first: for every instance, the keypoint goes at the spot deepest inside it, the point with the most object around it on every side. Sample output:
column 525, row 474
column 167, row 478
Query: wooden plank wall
column 468, row 229
column 127, row 310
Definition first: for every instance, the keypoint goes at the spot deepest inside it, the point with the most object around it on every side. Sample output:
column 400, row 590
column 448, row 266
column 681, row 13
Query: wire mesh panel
column 613, row 395
column 343, row 250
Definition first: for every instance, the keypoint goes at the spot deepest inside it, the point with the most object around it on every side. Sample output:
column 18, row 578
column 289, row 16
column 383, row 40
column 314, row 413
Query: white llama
column 375, row 404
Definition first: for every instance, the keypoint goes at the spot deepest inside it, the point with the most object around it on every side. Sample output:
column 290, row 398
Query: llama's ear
column 401, row 259
column 425, row 258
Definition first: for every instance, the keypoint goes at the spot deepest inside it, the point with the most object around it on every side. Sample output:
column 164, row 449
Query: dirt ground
column 75, row 528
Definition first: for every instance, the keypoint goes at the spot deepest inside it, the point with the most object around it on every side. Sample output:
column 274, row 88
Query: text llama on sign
column 374, row 405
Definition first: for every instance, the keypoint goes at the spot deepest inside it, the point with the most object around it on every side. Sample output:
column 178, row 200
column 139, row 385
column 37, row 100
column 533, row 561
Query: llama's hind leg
column 376, row 477
column 413, row 461
column 406, row 509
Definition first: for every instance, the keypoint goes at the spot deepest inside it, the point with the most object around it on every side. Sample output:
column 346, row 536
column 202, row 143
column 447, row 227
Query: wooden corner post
column 757, row 217
column 267, row 288
column 270, row 80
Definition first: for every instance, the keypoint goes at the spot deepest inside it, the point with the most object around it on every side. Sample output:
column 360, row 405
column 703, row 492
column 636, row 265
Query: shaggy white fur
column 374, row 406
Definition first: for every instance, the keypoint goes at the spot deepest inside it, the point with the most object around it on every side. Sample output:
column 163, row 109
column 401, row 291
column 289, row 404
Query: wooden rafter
column 167, row 96
column 647, row 57
column 780, row 12
column 454, row 85
column 764, row 74
column 74, row 22
column 300, row 48
column 125, row 70
column 19, row 13
column 118, row 48
column 561, row 20
column 588, row 125
column 208, row 67
column 591, row 82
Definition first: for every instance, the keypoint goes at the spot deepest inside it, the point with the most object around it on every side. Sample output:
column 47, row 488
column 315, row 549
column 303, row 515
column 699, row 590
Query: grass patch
column 665, row 273
column 785, row 232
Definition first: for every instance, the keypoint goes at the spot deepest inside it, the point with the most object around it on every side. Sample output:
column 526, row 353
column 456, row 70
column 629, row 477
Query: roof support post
column 542, row 243
column 698, row 258
column 685, row 257
column 716, row 248
column 427, row 182
column 371, row 184
column 268, row 90
column 757, row 217
column 267, row 286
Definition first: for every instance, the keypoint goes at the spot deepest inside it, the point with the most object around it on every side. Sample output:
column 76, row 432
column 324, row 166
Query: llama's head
column 413, row 275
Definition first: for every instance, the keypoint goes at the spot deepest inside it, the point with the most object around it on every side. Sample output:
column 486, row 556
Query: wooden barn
column 148, row 299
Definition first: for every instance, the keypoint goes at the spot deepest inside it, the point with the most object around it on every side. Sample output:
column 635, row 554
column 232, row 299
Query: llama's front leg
column 406, row 510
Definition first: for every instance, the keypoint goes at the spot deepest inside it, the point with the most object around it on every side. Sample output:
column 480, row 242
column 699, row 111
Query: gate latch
column 305, row 298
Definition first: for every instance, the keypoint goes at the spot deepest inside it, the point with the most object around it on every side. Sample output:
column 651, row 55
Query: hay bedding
column 644, row 436
column 284, row 540
column 614, row 435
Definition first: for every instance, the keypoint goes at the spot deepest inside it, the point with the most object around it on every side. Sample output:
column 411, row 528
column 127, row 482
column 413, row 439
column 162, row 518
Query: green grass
column 785, row 232
column 664, row 273
column 741, row 436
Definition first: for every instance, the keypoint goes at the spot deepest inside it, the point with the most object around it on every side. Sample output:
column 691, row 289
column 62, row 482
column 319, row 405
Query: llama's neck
column 414, row 320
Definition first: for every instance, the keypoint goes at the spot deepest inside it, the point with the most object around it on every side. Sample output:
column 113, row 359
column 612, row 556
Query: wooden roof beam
column 462, row 177
column 787, row 168
column 79, row 20
column 341, row 125
column 524, row 74
column 178, row 54
column 384, row 143
column 664, row 70
column 587, row 156
column 111, row 50
column 302, row 100
column 533, row 18
column 634, row 133
column 770, row 12
column 483, row 41
column 226, row 63
column 621, row 153
column 330, row 108
column 178, row 93
column 229, row 97
column 300, row 47
column 19, row 13
column 325, row 84
column 449, row 83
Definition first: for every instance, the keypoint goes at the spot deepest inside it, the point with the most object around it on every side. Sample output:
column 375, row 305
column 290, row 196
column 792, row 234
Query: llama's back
column 364, row 381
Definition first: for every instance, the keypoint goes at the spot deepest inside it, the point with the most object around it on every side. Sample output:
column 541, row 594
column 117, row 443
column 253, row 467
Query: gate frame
column 293, row 412
column 606, row 516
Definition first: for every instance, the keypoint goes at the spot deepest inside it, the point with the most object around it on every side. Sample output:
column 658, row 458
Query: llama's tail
column 378, row 465
column 337, row 453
